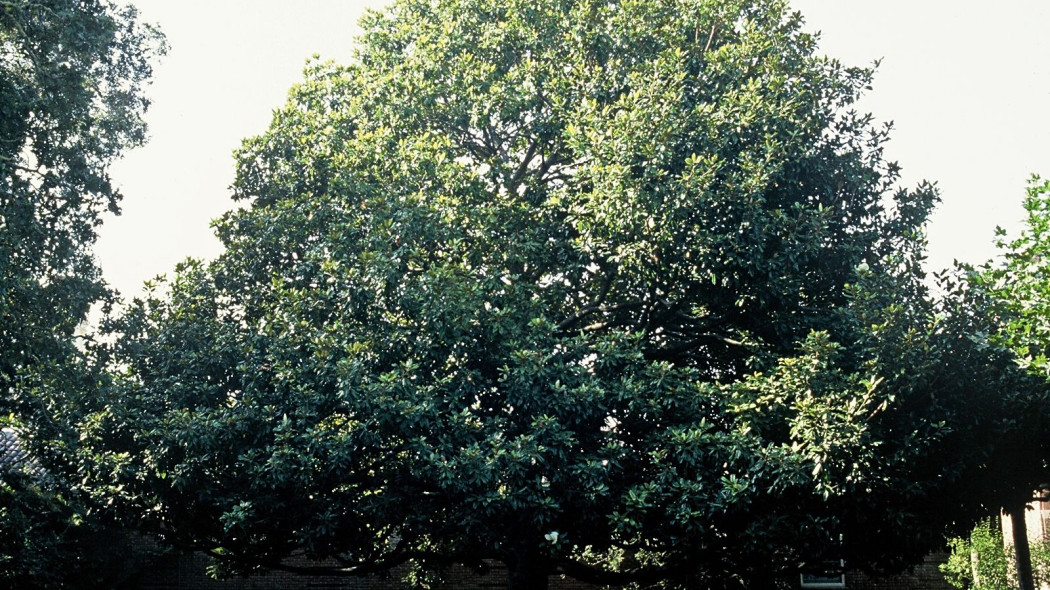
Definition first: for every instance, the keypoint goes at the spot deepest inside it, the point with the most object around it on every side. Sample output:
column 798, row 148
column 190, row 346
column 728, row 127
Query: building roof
column 13, row 456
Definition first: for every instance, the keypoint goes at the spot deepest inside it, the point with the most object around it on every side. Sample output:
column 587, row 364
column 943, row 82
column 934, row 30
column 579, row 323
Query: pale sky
column 966, row 84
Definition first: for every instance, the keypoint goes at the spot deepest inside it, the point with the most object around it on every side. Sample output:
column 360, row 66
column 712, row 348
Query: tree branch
column 595, row 308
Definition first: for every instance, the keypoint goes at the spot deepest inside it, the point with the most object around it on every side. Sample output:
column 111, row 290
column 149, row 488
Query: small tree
column 984, row 562
column 979, row 562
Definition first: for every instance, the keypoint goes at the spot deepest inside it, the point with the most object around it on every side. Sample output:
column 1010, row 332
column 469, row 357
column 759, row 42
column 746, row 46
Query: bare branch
column 711, row 37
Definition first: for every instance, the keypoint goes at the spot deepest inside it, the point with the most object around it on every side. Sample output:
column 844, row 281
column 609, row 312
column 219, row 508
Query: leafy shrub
column 984, row 562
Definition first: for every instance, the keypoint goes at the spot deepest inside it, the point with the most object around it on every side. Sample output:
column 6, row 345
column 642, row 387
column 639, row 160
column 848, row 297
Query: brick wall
column 925, row 576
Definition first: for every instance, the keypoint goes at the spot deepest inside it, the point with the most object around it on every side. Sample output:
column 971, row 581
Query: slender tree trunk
column 1022, row 553
column 526, row 571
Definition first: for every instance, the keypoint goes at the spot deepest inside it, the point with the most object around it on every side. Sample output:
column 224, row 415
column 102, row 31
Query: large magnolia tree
column 615, row 289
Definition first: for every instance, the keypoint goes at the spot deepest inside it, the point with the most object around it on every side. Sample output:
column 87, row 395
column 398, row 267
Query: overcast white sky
column 966, row 83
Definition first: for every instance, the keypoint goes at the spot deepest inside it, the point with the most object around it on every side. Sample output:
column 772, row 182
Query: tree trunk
column 1022, row 553
column 526, row 571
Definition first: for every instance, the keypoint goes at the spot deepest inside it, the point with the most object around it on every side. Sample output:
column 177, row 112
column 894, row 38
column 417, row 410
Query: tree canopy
column 72, row 74
column 71, row 81
column 1017, row 282
column 622, row 290
column 1012, row 293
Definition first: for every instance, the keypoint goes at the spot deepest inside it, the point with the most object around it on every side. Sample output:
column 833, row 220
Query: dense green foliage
column 71, row 74
column 621, row 290
column 1015, row 293
column 1019, row 283
column 983, row 562
column 48, row 541
column 979, row 562
column 71, row 80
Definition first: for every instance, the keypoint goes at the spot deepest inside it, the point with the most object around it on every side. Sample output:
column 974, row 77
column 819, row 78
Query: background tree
column 71, row 77
column 1017, row 282
column 71, row 100
column 1018, row 297
column 620, row 290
